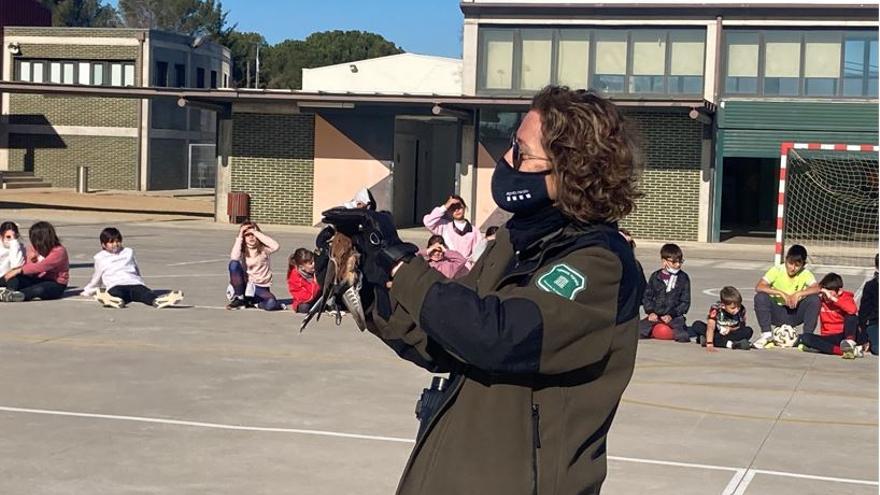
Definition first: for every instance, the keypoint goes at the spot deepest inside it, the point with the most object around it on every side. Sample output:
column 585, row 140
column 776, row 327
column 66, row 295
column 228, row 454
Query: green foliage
column 243, row 49
column 189, row 17
column 82, row 13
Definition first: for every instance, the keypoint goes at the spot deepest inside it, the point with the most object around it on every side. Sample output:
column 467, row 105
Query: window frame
column 845, row 34
column 590, row 30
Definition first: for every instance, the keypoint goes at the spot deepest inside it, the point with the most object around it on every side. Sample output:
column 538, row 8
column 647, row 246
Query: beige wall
column 341, row 168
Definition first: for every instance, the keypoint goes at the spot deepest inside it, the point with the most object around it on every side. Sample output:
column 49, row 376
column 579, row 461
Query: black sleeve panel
column 684, row 301
column 502, row 336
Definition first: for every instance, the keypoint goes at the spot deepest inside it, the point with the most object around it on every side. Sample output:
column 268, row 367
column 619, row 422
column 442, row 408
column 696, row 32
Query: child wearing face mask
column 117, row 271
column 667, row 296
column 449, row 221
column 249, row 265
column 301, row 280
column 446, row 261
column 11, row 251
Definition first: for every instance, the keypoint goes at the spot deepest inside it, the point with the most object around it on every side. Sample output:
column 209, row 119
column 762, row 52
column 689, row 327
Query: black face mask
column 519, row 192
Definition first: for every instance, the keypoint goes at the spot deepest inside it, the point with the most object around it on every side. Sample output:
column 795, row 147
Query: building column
column 465, row 179
column 469, row 50
column 707, row 214
column 704, row 216
column 223, row 180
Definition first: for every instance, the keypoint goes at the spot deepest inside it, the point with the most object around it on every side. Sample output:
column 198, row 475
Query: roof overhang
column 220, row 99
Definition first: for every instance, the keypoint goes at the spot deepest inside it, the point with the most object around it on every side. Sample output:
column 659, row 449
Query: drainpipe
column 716, row 93
column 140, row 116
column 715, row 190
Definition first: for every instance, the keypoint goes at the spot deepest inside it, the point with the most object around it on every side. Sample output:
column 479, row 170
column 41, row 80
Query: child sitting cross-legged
column 667, row 296
column 725, row 326
column 838, row 322
column 116, row 269
column 301, row 280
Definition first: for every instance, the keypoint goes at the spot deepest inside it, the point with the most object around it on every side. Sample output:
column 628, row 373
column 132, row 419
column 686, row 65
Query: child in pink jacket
column 446, row 261
column 458, row 233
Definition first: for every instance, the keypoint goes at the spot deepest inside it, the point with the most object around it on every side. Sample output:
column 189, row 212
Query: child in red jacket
column 301, row 280
column 838, row 321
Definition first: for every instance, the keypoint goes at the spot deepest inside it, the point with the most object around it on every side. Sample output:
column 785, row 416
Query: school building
column 713, row 89
column 127, row 144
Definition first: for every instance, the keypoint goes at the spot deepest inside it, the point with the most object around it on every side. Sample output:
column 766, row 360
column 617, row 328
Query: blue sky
column 431, row 27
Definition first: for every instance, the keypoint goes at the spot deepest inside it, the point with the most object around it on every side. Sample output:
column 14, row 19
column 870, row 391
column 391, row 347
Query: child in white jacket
column 11, row 251
column 116, row 269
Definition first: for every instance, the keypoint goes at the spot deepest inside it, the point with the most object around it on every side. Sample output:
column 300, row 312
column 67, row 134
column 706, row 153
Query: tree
column 284, row 62
column 189, row 17
column 242, row 47
column 82, row 13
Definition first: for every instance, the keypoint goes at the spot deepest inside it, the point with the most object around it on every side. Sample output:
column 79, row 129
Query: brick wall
column 669, row 209
column 72, row 111
column 112, row 161
column 72, row 32
column 79, row 52
column 273, row 161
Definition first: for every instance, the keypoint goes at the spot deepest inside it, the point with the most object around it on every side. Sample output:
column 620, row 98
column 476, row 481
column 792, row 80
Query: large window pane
column 782, row 63
column 537, row 52
column 98, row 74
column 67, row 73
column 854, row 67
column 55, row 72
column 24, row 71
column 574, row 58
column 610, row 61
column 872, row 69
column 648, row 61
column 497, row 59
column 116, row 74
column 37, row 72
column 742, row 63
column 128, row 74
column 84, row 73
column 688, row 55
column 821, row 63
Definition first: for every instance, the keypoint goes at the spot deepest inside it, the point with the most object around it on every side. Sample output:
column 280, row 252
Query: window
column 812, row 63
column 116, row 74
column 537, row 53
column 225, row 80
column 214, row 79
column 610, row 71
column 648, row 62
column 55, row 72
column 497, row 48
column 67, row 72
column 821, row 63
column 574, row 57
column 742, row 63
column 24, row 71
column 98, row 74
column 180, row 76
column 686, row 67
column 128, row 77
column 37, row 75
column 161, row 74
column 84, row 73
column 782, row 63
column 200, row 77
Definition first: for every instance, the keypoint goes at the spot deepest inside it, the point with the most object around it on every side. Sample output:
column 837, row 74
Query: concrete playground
column 198, row 399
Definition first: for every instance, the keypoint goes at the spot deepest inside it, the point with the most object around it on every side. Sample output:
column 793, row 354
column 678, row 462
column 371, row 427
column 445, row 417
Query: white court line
column 734, row 482
column 745, row 475
column 218, row 426
column 79, row 299
column 184, row 263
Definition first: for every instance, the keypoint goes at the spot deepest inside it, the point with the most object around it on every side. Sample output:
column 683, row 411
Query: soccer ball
column 784, row 336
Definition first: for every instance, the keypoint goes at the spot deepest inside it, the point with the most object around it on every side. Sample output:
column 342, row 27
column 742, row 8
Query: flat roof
column 253, row 96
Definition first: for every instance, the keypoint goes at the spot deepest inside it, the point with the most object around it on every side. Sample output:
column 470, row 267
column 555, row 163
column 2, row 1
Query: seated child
column 786, row 295
column 446, row 261
column 838, row 322
column 725, row 325
column 249, row 265
column 301, row 280
column 116, row 269
column 667, row 296
column 11, row 251
column 46, row 269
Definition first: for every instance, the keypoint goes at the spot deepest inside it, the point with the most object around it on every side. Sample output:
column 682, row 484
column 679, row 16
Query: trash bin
column 82, row 179
column 238, row 206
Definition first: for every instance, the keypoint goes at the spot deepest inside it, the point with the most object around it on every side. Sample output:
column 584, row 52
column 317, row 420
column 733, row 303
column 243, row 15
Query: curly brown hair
column 593, row 151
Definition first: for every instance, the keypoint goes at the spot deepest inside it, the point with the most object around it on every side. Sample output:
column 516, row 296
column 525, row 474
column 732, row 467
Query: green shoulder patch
column 564, row 281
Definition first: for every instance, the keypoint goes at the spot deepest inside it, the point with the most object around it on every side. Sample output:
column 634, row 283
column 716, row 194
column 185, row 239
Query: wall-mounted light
column 14, row 48
column 353, row 68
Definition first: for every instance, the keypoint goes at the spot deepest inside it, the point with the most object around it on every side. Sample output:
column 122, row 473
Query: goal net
column 828, row 202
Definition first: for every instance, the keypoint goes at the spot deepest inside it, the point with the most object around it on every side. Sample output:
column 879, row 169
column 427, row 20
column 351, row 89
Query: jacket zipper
column 536, row 444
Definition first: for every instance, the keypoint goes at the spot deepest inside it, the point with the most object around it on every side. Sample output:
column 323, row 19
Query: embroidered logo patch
column 564, row 281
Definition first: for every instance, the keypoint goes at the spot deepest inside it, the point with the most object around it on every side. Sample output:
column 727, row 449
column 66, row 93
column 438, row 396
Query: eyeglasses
column 675, row 260
column 519, row 156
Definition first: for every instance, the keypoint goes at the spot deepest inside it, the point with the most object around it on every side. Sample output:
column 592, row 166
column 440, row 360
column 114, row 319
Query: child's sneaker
column 8, row 295
column 850, row 350
column 109, row 300
column 765, row 342
column 169, row 299
column 743, row 345
column 237, row 302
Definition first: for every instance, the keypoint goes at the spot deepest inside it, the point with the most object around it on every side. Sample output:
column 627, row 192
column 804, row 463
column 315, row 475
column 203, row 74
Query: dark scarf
column 525, row 230
column 467, row 228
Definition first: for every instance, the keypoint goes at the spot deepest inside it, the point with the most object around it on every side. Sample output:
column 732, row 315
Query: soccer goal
column 828, row 202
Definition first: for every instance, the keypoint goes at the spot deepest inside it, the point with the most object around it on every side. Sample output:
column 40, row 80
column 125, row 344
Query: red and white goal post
column 828, row 202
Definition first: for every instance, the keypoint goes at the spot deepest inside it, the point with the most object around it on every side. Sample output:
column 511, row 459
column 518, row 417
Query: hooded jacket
column 540, row 346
